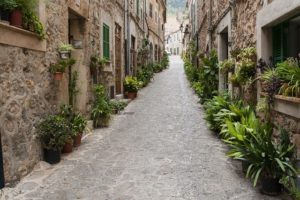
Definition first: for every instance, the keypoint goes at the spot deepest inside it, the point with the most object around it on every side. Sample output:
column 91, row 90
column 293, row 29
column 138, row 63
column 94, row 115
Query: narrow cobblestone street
column 160, row 149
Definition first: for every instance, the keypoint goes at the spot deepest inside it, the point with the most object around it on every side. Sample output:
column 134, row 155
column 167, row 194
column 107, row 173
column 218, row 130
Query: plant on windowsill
column 131, row 86
column 98, row 63
column 289, row 72
column 101, row 110
column 6, row 6
column 32, row 23
column 52, row 132
column 65, row 50
column 59, row 68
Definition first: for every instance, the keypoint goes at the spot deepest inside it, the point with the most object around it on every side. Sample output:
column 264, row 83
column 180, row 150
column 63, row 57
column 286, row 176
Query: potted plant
column 65, row 50
column 68, row 146
column 59, row 68
column 117, row 106
column 270, row 161
column 101, row 110
column 79, row 124
column 6, row 6
column 131, row 86
column 32, row 23
column 52, row 133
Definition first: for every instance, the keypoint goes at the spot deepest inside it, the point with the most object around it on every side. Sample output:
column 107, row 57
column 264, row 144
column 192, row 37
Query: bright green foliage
column 117, row 105
column 131, row 84
column 62, row 65
column 53, row 132
column 101, row 107
column 289, row 72
column 205, row 78
column 267, row 157
column 145, row 74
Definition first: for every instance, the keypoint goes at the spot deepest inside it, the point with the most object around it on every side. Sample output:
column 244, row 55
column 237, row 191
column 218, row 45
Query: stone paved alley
column 160, row 149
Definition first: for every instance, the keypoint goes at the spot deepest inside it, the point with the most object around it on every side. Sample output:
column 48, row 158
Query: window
column 151, row 10
column 106, row 46
column 280, row 42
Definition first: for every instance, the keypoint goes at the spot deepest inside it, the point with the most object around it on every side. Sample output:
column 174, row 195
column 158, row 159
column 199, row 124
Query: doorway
column 118, row 57
column 223, row 55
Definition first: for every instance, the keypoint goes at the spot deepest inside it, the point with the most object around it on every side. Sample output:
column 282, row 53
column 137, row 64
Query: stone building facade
column 156, row 19
column 173, row 42
column 227, row 25
column 28, row 91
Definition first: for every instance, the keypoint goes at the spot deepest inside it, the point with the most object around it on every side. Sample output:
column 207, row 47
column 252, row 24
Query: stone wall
column 26, row 96
column 28, row 90
column 244, row 28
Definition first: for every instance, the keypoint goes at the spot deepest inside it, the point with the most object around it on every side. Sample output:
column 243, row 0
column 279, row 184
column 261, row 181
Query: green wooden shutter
column 280, row 42
column 106, row 46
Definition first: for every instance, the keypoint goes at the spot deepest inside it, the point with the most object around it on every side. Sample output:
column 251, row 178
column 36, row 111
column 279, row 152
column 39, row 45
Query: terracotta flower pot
column 58, row 76
column 52, row 156
column 131, row 95
column 68, row 148
column 16, row 18
column 77, row 140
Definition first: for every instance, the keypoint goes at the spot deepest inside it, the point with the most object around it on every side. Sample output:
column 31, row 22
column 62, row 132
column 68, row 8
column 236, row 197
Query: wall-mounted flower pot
column 77, row 140
column 52, row 156
column 271, row 186
column 65, row 54
column 131, row 95
column 58, row 76
column 16, row 18
column 68, row 148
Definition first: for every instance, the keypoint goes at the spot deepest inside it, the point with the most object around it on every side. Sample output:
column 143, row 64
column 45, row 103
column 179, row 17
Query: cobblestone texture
column 159, row 149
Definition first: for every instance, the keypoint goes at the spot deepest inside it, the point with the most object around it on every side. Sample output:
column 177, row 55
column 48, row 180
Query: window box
column 287, row 105
column 18, row 37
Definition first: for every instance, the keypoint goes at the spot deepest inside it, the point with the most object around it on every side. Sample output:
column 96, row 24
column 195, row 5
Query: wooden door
column 118, row 59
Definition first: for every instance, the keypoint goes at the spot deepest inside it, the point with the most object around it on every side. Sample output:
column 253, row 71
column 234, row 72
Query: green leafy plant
column 75, row 120
column 289, row 72
column 267, row 157
column 53, row 132
column 8, row 5
column 227, row 66
column 101, row 109
column 118, row 106
column 145, row 74
column 65, row 47
column 131, row 84
column 79, row 124
column 61, row 66
column 98, row 61
column 33, row 23
column 73, row 90
column 214, row 106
